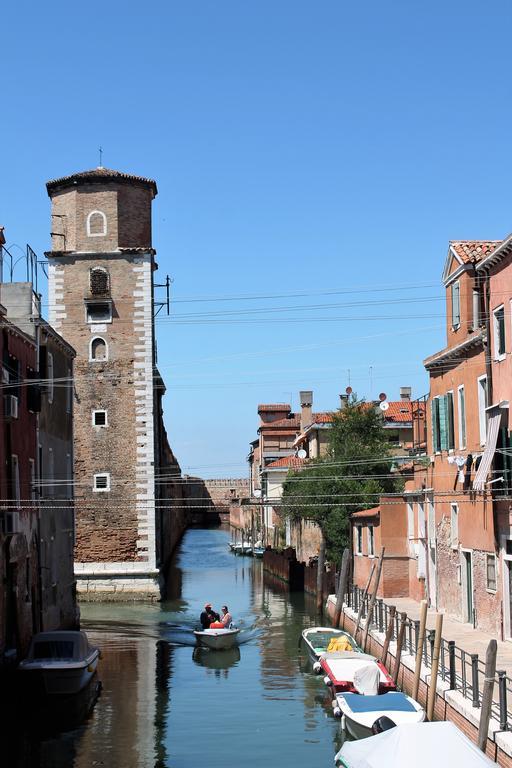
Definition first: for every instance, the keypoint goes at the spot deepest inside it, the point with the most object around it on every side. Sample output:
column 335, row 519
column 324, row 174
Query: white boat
column 242, row 548
column 317, row 639
column 355, row 672
column 258, row 551
column 424, row 745
column 359, row 713
column 63, row 661
column 217, row 639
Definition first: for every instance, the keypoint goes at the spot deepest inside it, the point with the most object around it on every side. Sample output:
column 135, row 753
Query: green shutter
column 435, row 424
column 443, row 422
column 450, row 425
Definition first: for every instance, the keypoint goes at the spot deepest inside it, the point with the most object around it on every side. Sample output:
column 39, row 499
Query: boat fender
column 336, row 712
column 343, row 722
column 382, row 724
column 327, row 680
column 334, row 703
column 317, row 667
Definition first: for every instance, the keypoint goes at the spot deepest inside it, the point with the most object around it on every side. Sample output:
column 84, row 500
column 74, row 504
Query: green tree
column 350, row 477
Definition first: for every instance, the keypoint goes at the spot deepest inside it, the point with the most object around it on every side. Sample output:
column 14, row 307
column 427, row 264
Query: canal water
column 166, row 704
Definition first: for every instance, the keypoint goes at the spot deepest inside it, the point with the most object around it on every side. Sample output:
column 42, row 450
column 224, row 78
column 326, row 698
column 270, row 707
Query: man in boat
column 207, row 616
column 227, row 618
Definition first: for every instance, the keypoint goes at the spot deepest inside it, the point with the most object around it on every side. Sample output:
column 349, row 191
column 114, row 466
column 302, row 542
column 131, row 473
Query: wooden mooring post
column 363, row 598
column 373, row 598
column 342, row 586
column 320, row 577
column 389, row 632
column 485, row 712
column 419, row 649
column 432, row 691
column 399, row 644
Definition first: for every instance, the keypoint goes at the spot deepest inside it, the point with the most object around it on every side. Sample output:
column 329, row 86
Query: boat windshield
column 54, row 649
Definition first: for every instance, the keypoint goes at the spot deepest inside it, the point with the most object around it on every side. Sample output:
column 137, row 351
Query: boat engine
column 382, row 724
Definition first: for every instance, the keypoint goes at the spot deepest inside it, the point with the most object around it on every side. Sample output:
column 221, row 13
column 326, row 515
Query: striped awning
column 493, row 428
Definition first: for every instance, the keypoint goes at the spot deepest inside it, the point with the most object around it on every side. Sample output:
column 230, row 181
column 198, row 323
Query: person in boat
column 208, row 615
column 227, row 618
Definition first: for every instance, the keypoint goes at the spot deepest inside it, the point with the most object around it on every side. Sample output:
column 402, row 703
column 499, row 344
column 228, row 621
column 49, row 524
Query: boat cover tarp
column 391, row 702
column 367, row 679
column 420, row 744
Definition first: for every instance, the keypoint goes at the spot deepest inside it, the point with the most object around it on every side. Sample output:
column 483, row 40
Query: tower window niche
column 98, row 352
column 99, row 282
column 96, row 224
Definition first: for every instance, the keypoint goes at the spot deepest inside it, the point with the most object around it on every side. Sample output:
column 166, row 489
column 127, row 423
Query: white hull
column 217, row 639
column 61, row 677
column 359, row 724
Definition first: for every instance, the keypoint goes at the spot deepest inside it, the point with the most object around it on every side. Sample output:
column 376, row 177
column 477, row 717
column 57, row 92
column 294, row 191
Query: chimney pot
column 405, row 393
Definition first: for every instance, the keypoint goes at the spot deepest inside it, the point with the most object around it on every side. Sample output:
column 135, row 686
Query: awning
column 493, row 428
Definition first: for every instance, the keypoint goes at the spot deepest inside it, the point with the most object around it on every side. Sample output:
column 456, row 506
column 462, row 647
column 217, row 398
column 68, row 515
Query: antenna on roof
column 100, row 150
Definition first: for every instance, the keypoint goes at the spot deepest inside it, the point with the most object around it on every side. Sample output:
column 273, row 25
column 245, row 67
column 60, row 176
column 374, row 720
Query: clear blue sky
column 299, row 148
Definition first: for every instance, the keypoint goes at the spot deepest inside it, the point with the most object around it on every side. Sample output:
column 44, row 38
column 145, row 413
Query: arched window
column 98, row 351
column 99, row 281
column 96, row 224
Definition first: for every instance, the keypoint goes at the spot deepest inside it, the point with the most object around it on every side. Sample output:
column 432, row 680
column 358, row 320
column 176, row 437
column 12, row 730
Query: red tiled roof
column 292, row 462
column 293, row 423
column 99, row 174
column 274, row 407
column 399, row 410
column 374, row 512
column 323, row 418
column 473, row 250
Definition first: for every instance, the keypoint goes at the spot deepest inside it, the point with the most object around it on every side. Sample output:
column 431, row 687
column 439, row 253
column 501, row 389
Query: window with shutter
column 450, row 428
column 436, row 432
column 456, row 304
column 443, row 423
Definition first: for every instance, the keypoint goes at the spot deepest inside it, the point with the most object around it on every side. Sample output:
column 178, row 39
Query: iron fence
column 463, row 671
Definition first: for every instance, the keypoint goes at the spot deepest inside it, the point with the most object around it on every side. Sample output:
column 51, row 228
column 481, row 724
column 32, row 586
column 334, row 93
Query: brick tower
column 101, row 301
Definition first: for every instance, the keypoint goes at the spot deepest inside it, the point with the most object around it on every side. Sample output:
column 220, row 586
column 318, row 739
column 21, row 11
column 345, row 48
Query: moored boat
column 258, row 551
column 217, row 639
column 343, row 668
column 61, row 662
column 318, row 639
column 359, row 713
column 420, row 744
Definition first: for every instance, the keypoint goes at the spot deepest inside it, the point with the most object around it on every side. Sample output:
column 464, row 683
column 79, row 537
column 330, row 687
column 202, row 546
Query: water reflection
column 159, row 693
column 217, row 660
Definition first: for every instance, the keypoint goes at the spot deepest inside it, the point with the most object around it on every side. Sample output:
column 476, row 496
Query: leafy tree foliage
column 348, row 478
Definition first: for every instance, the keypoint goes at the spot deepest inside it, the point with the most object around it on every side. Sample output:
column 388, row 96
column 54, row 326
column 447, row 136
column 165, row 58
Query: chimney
column 343, row 401
column 405, row 393
column 306, row 413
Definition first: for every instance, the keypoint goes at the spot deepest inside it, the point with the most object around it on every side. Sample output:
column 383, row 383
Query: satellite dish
column 301, row 454
column 382, row 397
column 256, row 493
column 384, row 406
column 348, row 390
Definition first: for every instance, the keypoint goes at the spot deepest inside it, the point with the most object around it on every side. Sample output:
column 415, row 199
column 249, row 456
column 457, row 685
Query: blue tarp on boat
column 391, row 702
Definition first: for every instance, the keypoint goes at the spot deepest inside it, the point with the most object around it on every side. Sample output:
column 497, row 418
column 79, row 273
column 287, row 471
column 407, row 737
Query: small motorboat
column 217, row 639
column 62, row 662
column 318, row 639
column 243, row 548
column 342, row 670
column 258, row 551
column 359, row 713
column 420, row 744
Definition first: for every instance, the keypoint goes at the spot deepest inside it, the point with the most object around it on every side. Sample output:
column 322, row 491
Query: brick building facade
column 101, row 268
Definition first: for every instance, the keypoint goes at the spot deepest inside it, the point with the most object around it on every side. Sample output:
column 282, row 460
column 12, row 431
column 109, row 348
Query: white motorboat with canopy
column 62, row 660
column 424, row 745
